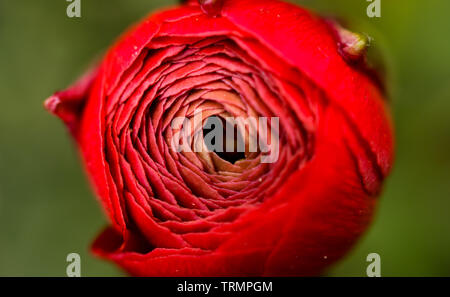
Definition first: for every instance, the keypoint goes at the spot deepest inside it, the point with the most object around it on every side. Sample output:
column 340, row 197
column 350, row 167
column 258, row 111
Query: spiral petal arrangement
column 200, row 212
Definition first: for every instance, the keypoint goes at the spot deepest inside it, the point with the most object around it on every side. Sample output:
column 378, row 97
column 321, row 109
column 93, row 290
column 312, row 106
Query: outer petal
column 313, row 49
column 68, row 104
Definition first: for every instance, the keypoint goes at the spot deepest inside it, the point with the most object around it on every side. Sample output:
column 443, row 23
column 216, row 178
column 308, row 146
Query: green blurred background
column 47, row 209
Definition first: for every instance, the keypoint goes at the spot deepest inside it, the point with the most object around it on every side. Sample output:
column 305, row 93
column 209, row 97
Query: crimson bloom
column 201, row 213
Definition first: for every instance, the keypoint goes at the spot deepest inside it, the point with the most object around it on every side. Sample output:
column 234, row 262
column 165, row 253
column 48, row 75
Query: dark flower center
column 227, row 148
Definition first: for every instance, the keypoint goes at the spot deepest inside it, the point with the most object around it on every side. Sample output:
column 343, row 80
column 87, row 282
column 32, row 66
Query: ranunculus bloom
column 197, row 214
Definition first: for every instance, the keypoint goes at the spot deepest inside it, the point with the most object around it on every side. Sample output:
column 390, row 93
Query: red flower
column 197, row 214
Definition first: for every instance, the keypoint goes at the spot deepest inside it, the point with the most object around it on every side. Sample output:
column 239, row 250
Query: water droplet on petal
column 211, row 7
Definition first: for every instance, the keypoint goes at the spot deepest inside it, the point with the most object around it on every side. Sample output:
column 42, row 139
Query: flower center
column 218, row 139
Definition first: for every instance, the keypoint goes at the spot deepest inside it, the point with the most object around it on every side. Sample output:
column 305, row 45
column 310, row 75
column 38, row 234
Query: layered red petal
column 190, row 213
